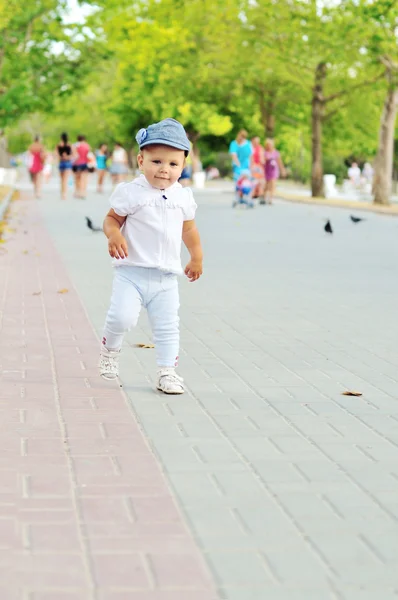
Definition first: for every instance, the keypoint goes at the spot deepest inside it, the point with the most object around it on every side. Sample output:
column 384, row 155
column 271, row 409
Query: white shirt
column 119, row 155
column 153, row 228
column 354, row 173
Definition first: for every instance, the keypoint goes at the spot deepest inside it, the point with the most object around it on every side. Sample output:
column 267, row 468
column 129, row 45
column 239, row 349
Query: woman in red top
column 257, row 162
column 80, row 166
column 36, row 164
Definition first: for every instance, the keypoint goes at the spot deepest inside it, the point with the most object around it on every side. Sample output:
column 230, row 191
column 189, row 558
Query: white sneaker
column 169, row 382
column 109, row 363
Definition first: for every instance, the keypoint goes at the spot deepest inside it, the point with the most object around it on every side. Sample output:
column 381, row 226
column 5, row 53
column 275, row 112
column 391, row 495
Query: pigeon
column 328, row 227
column 91, row 226
column 356, row 219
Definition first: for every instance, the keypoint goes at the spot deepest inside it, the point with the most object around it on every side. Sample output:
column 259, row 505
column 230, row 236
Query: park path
column 288, row 488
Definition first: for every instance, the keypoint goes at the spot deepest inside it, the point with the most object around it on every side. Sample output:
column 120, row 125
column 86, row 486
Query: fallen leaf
column 25, row 252
column 144, row 346
column 63, row 291
column 2, row 241
column 36, row 293
column 350, row 393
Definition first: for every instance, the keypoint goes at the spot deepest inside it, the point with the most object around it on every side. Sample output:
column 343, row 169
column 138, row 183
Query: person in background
column 91, row 162
column 273, row 168
column 240, row 150
column 367, row 173
column 48, row 167
column 119, row 166
column 80, row 166
column 101, row 157
column 367, row 178
column 64, row 151
column 37, row 156
column 244, row 190
column 354, row 174
column 257, row 164
column 186, row 175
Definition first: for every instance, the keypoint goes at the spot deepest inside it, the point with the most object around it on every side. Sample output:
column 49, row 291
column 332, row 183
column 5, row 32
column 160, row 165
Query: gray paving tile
column 264, row 453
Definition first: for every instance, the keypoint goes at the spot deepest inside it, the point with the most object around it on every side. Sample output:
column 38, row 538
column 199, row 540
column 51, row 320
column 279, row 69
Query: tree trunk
column 267, row 110
column 385, row 154
column 317, row 118
column 4, row 156
column 270, row 120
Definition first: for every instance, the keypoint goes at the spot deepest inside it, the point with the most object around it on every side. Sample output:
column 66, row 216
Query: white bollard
column 329, row 184
column 199, row 179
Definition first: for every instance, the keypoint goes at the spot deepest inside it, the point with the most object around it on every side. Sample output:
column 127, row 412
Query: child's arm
column 117, row 245
column 190, row 237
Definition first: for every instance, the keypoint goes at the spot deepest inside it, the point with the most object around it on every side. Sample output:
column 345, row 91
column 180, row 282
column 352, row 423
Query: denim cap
column 168, row 132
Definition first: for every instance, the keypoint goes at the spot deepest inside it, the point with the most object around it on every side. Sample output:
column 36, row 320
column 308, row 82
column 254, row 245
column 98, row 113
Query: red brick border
column 85, row 511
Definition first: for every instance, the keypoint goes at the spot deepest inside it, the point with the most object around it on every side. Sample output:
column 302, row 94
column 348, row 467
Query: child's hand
column 117, row 245
column 193, row 270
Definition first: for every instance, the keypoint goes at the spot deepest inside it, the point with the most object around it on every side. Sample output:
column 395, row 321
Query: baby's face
column 161, row 165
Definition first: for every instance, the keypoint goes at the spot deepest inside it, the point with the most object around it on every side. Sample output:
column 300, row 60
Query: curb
column 4, row 204
column 391, row 209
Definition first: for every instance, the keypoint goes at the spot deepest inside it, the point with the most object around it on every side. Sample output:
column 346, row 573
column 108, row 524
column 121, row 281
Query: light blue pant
column 157, row 291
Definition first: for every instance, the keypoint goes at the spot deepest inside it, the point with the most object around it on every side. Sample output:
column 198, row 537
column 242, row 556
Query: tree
column 381, row 20
column 162, row 65
column 34, row 70
column 339, row 69
column 292, row 69
column 295, row 50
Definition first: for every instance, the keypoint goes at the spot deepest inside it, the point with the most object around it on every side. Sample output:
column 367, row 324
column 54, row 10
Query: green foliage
column 18, row 142
column 215, row 65
column 40, row 59
column 221, row 160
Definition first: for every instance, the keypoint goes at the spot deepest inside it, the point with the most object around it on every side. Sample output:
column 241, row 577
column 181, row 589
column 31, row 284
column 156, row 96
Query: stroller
column 244, row 190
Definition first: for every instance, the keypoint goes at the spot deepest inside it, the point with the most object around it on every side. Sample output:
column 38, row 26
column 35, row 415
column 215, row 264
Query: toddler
column 148, row 218
column 244, row 190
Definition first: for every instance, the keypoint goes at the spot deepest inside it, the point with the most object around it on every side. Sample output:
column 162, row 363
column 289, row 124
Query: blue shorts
column 64, row 165
column 79, row 168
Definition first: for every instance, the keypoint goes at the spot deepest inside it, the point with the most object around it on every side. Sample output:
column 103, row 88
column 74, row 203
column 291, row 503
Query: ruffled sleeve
column 189, row 206
column 120, row 201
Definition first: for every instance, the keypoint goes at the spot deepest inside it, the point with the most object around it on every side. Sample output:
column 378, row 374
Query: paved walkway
column 285, row 488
